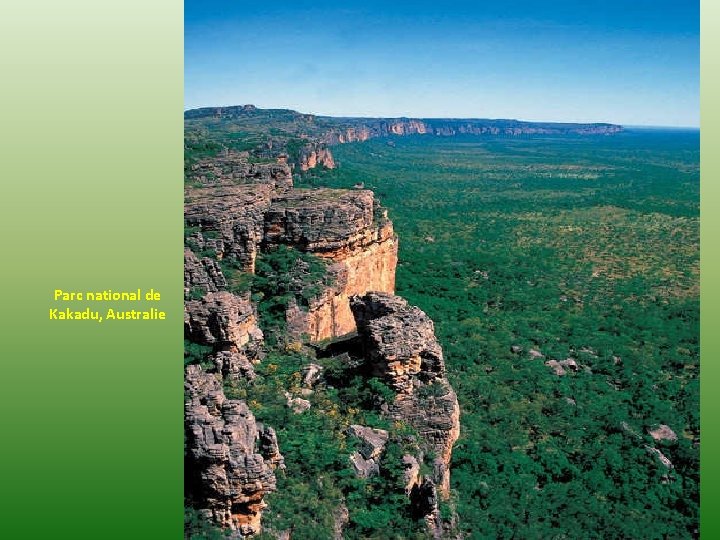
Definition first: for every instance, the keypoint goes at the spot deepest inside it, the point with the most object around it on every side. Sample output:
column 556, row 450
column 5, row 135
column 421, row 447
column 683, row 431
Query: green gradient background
column 91, row 150
column 91, row 198
column 709, row 269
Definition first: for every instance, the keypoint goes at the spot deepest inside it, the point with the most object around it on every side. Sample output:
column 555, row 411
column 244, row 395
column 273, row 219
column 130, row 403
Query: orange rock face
column 315, row 154
column 345, row 228
column 368, row 267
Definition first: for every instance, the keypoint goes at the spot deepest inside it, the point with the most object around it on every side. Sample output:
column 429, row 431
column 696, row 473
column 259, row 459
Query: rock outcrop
column 234, row 365
column 229, row 324
column 229, row 458
column 315, row 154
column 224, row 320
column 346, row 228
column 400, row 346
column 663, row 433
column 370, row 446
column 235, row 168
column 365, row 129
column 202, row 275
column 235, row 210
column 227, row 221
column 317, row 132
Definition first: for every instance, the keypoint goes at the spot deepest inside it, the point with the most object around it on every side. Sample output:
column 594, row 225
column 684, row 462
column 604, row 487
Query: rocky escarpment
column 362, row 129
column 345, row 228
column 315, row 154
column 330, row 130
column 236, row 168
column 400, row 346
column 226, row 222
column 229, row 325
column 224, row 320
column 237, row 212
column 230, row 458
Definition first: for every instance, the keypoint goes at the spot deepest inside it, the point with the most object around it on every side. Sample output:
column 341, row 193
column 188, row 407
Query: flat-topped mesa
column 229, row 457
column 233, row 168
column 228, row 212
column 400, row 346
column 346, row 228
column 227, row 221
column 317, row 131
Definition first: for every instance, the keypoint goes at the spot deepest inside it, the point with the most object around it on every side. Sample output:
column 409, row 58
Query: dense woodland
column 583, row 248
column 523, row 250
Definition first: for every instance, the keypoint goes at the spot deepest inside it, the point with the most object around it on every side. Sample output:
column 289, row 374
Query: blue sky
column 628, row 62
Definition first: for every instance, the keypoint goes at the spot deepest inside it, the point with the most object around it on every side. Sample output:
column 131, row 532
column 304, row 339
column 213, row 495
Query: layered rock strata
column 229, row 221
column 202, row 274
column 229, row 324
column 235, row 216
column 346, row 228
column 229, row 457
column 234, row 168
column 400, row 346
column 224, row 320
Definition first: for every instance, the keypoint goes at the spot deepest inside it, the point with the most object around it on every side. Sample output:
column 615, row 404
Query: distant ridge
column 304, row 140
column 335, row 129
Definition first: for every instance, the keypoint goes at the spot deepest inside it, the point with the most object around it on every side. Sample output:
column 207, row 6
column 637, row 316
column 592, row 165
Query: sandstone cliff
column 347, row 229
column 236, row 168
column 223, row 320
column 272, row 131
column 362, row 129
column 240, row 210
column 229, row 457
column 237, row 211
column 315, row 154
column 400, row 345
column 227, row 221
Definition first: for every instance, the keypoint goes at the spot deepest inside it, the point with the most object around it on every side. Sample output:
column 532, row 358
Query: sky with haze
column 628, row 62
